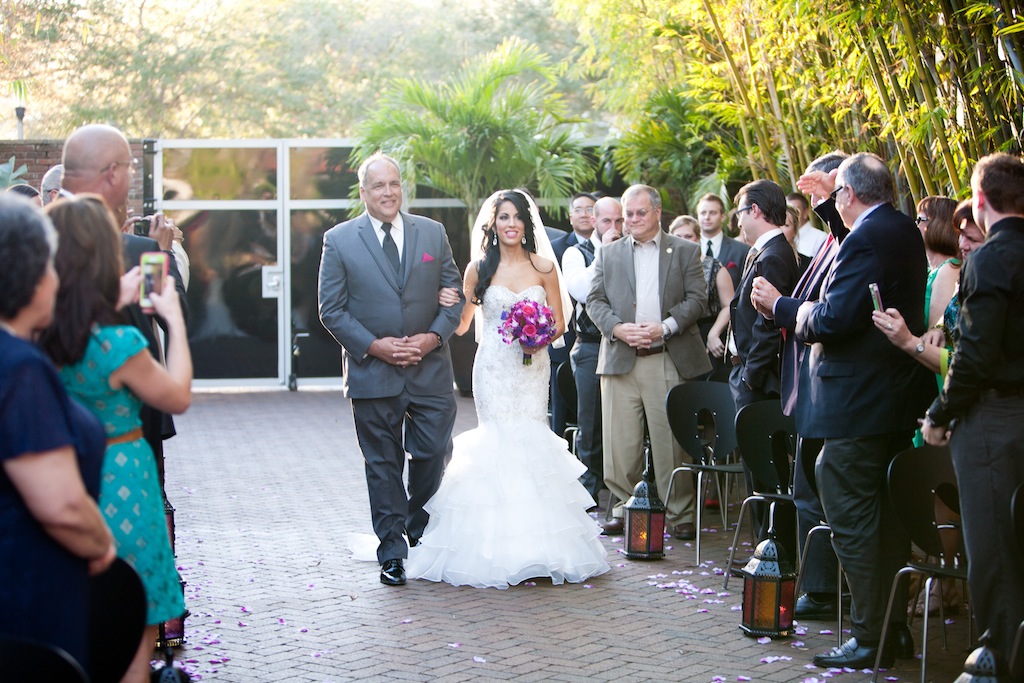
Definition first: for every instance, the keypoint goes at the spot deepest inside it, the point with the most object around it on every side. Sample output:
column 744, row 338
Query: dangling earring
column 524, row 240
column 494, row 239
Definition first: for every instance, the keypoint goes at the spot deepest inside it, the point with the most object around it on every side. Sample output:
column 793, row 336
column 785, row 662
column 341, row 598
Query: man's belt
column 588, row 338
column 642, row 353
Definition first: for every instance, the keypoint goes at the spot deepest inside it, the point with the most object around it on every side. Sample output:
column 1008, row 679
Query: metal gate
column 254, row 213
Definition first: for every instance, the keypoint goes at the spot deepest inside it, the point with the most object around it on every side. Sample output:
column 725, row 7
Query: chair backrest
column 702, row 418
column 1017, row 508
column 767, row 441
column 916, row 478
column 566, row 384
column 117, row 618
column 25, row 659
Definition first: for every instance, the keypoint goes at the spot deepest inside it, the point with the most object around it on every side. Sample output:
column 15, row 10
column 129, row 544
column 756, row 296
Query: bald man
column 98, row 159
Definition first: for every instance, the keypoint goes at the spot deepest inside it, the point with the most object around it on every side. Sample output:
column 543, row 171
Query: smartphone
column 142, row 226
column 154, row 273
column 876, row 298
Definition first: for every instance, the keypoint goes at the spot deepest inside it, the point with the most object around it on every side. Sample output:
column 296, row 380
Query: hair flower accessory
column 529, row 323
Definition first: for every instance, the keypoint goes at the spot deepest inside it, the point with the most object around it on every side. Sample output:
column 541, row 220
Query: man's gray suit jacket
column 361, row 299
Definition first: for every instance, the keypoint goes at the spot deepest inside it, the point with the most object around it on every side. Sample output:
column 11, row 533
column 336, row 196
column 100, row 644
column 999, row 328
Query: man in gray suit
column 380, row 275
column 647, row 295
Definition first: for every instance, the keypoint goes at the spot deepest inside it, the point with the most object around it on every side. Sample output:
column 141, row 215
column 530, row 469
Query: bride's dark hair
column 492, row 255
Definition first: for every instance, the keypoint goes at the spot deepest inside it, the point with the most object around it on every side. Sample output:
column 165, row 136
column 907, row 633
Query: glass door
column 226, row 197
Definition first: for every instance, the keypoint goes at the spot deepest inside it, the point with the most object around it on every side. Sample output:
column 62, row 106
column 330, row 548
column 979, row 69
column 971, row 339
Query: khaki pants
column 625, row 401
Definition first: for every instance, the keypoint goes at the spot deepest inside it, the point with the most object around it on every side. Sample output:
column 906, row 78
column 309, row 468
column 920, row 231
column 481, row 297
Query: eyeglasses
column 639, row 213
column 836, row 191
column 741, row 209
column 579, row 210
column 132, row 164
column 921, row 219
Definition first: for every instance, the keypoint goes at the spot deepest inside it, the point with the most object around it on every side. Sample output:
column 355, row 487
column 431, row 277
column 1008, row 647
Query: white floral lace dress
column 510, row 506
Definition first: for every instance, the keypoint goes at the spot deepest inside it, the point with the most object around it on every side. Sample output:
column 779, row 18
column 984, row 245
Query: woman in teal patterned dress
column 106, row 367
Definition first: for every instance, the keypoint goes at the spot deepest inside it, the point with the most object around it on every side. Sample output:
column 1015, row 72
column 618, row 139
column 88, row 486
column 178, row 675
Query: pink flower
column 427, row 258
column 731, row 264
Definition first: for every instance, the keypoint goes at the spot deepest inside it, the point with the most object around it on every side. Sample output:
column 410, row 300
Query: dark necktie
column 391, row 249
column 587, row 246
column 709, row 251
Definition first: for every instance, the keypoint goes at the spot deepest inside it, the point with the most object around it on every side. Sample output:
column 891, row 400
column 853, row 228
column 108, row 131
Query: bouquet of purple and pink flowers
column 529, row 323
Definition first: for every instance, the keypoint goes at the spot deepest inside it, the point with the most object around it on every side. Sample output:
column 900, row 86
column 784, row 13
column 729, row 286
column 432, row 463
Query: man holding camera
column 98, row 159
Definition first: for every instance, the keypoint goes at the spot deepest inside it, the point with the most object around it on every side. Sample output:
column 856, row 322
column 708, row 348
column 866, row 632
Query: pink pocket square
column 427, row 258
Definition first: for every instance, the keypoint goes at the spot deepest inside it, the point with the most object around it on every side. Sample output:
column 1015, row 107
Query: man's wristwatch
column 440, row 342
column 920, row 347
column 665, row 331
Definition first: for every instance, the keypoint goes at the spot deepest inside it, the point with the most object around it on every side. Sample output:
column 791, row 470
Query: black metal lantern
column 768, row 591
column 984, row 665
column 644, row 515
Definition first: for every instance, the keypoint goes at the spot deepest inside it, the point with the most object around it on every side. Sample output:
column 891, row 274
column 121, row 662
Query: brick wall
column 41, row 155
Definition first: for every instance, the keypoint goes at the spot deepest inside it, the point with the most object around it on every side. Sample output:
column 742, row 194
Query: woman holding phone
column 105, row 366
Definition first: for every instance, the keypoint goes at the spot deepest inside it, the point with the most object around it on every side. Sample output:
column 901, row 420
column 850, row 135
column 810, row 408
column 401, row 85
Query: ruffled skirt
column 509, row 508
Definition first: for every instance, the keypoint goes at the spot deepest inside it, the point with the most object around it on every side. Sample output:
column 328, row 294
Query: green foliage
column 497, row 123
column 233, row 68
column 9, row 175
column 669, row 146
column 930, row 86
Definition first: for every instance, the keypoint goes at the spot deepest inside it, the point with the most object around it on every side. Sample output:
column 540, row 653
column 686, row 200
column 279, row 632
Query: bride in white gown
column 510, row 506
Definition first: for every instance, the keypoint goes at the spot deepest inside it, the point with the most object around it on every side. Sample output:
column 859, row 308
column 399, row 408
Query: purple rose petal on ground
column 303, row 630
column 406, row 621
column 764, row 641
column 242, row 624
column 454, row 645
column 479, row 660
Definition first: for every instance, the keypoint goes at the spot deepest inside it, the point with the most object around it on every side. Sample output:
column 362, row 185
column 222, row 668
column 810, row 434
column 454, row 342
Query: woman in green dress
column 105, row 366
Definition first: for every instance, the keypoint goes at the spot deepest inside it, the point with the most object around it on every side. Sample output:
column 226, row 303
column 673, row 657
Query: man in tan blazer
column 647, row 296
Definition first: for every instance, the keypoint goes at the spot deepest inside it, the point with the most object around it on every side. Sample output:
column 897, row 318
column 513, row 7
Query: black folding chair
column 702, row 418
column 916, row 477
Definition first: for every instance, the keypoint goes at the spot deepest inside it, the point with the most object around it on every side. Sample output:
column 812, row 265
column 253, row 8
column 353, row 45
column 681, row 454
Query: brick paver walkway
column 268, row 485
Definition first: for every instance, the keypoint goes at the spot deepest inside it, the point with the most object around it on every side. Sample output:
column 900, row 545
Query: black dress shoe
column 813, row 609
column 853, row 655
column 392, row 573
column 899, row 641
column 616, row 527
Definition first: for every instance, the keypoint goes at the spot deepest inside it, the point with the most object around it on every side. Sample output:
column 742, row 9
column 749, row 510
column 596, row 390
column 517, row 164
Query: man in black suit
column 865, row 396
column 984, row 393
column 97, row 158
column 818, row 564
column 761, row 206
column 729, row 252
column 581, row 213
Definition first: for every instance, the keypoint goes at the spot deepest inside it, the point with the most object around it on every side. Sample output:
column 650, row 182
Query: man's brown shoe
column 685, row 531
column 616, row 527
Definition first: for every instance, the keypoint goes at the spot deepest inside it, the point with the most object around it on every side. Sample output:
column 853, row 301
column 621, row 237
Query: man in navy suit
column 818, row 564
column 865, row 396
column 380, row 274
column 581, row 212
